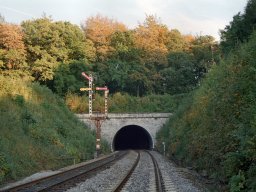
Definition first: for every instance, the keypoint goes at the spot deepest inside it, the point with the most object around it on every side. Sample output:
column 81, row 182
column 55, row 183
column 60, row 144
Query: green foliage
column 123, row 43
column 122, row 76
column 38, row 131
column 175, row 41
column 51, row 43
column 251, row 177
column 19, row 100
column 206, row 54
column 4, row 167
column 180, row 76
column 237, row 182
column 214, row 128
column 68, row 78
column 240, row 28
column 124, row 103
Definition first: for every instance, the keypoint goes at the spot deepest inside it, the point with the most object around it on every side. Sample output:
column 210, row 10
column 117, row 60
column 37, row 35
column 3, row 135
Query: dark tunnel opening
column 132, row 137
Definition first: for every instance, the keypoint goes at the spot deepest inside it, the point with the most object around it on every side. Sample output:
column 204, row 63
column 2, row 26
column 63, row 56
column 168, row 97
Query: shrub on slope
column 124, row 103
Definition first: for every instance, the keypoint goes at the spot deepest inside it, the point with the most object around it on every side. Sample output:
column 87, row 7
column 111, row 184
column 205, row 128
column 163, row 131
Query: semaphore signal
column 96, row 117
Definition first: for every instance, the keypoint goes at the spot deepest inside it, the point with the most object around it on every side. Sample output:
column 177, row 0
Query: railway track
column 121, row 171
column 66, row 179
column 157, row 173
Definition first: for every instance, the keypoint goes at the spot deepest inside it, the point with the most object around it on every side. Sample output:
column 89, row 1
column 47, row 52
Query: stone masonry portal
column 134, row 131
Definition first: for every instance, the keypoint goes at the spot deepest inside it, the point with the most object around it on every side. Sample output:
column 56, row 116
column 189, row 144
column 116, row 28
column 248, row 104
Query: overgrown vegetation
column 120, row 103
column 38, row 132
column 214, row 128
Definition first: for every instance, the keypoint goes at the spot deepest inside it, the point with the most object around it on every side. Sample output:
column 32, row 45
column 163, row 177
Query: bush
column 124, row 103
column 237, row 182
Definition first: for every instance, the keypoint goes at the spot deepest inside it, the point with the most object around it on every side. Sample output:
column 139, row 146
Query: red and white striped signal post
column 90, row 79
column 106, row 91
column 97, row 117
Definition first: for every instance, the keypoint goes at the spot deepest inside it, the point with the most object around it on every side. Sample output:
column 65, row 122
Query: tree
column 176, row 42
column 138, row 82
column 205, row 51
column 250, row 18
column 180, row 76
column 233, row 34
column 123, row 44
column 151, row 37
column 67, row 78
column 12, row 49
column 240, row 28
column 117, row 75
column 78, row 47
column 99, row 29
column 51, row 43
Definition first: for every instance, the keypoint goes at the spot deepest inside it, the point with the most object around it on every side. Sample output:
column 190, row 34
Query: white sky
column 196, row 17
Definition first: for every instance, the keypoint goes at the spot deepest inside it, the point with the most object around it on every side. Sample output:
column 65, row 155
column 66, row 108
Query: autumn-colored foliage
column 12, row 48
column 99, row 29
column 151, row 37
column 136, row 61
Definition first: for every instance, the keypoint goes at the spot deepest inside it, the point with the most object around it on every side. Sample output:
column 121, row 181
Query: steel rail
column 46, row 183
column 124, row 180
column 158, row 175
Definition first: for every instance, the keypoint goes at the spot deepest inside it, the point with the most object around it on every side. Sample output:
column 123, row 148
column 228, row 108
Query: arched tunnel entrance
column 132, row 137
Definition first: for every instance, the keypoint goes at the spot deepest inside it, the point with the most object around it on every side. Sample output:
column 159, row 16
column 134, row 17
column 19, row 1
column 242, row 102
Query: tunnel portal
column 132, row 137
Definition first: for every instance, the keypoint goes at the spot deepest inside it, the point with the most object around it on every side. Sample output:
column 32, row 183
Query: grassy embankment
column 214, row 129
column 37, row 130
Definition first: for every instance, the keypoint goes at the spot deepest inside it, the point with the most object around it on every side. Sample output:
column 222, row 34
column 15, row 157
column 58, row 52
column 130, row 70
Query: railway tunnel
column 132, row 137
